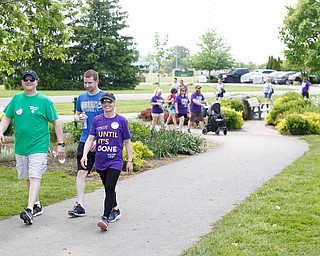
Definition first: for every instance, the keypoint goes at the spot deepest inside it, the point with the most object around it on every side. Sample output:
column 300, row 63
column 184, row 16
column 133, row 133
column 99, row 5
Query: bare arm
column 128, row 145
column 59, row 133
column 195, row 101
column 87, row 147
column 4, row 124
column 177, row 109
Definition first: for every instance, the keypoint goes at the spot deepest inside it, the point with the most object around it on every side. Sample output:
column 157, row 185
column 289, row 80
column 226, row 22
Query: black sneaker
column 26, row 216
column 77, row 211
column 103, row 223
column 189, row 131
column 114, row 215
column 37, row 210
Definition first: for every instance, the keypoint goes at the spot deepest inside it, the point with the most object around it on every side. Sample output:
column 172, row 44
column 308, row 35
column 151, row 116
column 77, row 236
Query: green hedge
column 294, row 115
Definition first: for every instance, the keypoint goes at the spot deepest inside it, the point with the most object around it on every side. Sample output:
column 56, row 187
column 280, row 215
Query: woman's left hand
column 129, row 167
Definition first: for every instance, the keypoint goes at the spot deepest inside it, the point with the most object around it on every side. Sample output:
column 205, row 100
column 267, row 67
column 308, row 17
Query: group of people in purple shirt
column 179, row 106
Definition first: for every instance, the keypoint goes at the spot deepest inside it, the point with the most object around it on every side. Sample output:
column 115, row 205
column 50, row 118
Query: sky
column 249, row 27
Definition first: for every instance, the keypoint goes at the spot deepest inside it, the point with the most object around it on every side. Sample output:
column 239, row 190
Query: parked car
column 246, row 78
column 314, row 79
column 273, row 75
column 295, row 77
column 260, row 78
column 282, row 77
column 233, row 76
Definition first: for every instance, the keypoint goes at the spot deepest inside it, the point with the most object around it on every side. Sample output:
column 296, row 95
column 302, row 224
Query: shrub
column 290, row 102
column 7, row 153
column 233, row 118
column 294, row 124
column 71, row 150
column 145, row 115
column 233, row 104
column 10, row 130
column 140, row 153
column 300, row 124
column 167, row 142
column 314, row 119
column 74, row 129
column 139, row 131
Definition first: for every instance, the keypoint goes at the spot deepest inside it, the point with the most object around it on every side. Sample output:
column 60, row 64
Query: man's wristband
column 61, row 144
column 130, row 160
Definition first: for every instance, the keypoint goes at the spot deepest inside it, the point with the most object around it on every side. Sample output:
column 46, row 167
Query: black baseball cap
column 109, row 96
column 31, row 73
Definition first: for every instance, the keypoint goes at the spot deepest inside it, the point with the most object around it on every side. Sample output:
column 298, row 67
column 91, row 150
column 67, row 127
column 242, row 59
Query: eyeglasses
column 29, row 79
column 106, row 101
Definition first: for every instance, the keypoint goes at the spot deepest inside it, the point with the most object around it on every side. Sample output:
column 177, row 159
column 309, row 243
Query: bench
column 256, row 107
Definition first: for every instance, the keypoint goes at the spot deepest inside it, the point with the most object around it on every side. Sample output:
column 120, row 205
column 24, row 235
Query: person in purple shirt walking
column 197, row 101
column 112, row 133
column 157, row 103
column 305, row 87
column 182, row 107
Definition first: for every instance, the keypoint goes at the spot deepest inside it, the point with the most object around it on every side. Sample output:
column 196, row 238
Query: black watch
column 61, row 144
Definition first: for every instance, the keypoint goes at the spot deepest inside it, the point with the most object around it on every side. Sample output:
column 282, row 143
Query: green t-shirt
column 31, row 116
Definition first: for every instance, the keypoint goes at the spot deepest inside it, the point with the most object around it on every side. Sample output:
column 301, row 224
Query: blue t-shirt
column 90, row 104
column 110, row 134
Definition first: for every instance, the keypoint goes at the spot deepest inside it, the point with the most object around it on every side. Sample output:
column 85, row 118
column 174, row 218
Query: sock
column 37, row 202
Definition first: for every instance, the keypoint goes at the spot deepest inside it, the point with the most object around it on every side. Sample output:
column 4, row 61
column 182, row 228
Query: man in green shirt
column 31, row 112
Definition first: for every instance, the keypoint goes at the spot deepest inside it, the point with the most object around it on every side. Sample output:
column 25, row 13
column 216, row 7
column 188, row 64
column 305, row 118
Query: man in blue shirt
column 88, row 106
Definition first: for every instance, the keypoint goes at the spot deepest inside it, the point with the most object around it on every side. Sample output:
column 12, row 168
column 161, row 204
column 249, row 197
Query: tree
column 32, row 31
column 214, row 53
column 178, row 58
column 274, row 63
column 99, row 44
column 300, row 34
column 161, row 55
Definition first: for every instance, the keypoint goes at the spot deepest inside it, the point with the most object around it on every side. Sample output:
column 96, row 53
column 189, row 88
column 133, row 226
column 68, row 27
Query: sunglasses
column 106, row 101
column 29, row 79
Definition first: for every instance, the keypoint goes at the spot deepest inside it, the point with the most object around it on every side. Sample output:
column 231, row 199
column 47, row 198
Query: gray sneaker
column 37, row 210
column 77, row 211
column 103, row 223
column 114, row 215
column 26, row 216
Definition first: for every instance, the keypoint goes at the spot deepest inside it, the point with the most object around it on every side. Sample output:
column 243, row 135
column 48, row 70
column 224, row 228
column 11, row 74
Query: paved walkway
column 164, row 210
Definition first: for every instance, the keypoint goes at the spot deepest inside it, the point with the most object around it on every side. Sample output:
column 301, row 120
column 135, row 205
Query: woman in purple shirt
column 182, row 107
column 110, row 132
column 157, row 112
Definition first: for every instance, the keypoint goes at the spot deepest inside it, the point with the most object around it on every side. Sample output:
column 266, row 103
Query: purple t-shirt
column 156, row 109
column 183, row 102
column 305, row 86
column 195, row 107
column 110, row 134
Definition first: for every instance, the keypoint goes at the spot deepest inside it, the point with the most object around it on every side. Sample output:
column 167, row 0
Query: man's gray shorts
column 31, row 166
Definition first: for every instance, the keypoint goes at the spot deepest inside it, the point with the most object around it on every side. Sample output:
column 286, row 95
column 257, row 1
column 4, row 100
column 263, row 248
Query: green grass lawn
column 258, row 227
column 144, row 88
column 55, row 187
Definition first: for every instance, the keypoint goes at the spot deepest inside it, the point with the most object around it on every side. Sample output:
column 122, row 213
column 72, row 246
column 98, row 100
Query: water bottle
column 61, row 161
column 84, row 123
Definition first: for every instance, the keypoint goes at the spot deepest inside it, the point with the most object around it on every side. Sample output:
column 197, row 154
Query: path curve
column 164, row 210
